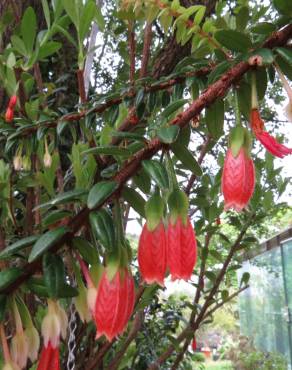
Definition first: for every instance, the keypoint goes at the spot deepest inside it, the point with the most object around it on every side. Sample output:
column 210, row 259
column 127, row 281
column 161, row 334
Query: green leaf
column 18, row 45
column 103, row 227
column 224, row 295
column 73, row 11
column 55, row 277
column 55, row 216
column 244, row 98
column 46, row 11
column 283, row 6
column 109, row 150
column 8, row 276
column 99, row 19
column 49, row 48
column 17, row 246
column 263, row 28
column 28, row 29
column 242, row 18
column 245, row 278
column 215, row 119
column 233, row 40
column 100, row 192
column 46, row 241
column 286, row 54
column 157, row 172
column 173, row 107
column 64, row 198
column 186, row 158
column 88, row 14
column 135, row 200
column 142, row 181
column 37, row 286
column 168, row 134
column 86, row 250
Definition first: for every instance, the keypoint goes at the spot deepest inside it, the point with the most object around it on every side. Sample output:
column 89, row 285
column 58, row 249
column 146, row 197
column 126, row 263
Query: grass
column 218, row 365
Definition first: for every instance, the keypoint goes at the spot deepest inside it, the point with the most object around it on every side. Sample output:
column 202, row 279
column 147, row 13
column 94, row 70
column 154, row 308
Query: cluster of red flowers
column 171, row 246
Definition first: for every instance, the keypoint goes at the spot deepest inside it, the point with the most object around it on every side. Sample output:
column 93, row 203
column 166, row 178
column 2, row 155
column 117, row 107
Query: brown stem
column 146, row 49
column 81, row 86
column 11, row 209
column 132, row 51
column 29, row 212
column 38, row 78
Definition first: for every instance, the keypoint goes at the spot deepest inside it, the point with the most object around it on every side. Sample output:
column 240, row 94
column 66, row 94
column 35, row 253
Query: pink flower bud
column 19, row 349
column 12, row 102
column 9, row 115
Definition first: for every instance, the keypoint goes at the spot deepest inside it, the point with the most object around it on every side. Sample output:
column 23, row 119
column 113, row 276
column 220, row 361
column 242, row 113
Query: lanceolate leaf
column 8, row 276
column 28, row 29
column 233, row 40
column 168, row 134
column 64, row 198
column 186, row 158
column 17, row 246
column 173, row 107
column 102, row 226
column 46, row 241
column 136, row 201
column 100, row 192
column 157, row 172
column 215, row 119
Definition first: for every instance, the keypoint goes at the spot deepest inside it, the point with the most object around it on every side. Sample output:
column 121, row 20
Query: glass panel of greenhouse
column 265, row 307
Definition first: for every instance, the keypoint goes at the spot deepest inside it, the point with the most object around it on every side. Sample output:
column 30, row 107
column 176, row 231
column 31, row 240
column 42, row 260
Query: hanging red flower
column 114, row 303
column 49, row 358
column 238, row 180
column 268, row 141
column 181, row 239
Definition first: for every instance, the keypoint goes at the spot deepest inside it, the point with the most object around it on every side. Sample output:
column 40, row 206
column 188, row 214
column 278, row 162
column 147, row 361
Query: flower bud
column 9, row 115
column 81, row 304
column 47, row 160
column 33, row 340
column 63, row 320
column 17, row 162
column 19, row 349
column 91, row 298
column 12, row 102
column 51, row 325
column 26, row 163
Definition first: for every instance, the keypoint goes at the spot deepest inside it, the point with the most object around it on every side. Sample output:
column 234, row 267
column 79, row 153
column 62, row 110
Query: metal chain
column 72, row 337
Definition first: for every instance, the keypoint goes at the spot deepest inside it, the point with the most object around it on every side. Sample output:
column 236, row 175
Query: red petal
column 107, row 305
column 49, row 358
column 249, row 182
column 234, row 180
column 272, row 145
column 194, row 344
column 181, row 249
column 152, row 254
column 268, row 141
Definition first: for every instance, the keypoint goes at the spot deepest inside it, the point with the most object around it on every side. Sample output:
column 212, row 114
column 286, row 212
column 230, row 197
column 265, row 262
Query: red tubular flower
column 9, row 115
column 268, row 141
column 114, row 303
column 152, row 254
column 194, row 344
column 238, row 180
column 12, row 102
column 181, row 249
column 49, row 358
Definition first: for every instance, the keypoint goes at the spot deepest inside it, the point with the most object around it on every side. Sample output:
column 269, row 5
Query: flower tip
column 288, row 111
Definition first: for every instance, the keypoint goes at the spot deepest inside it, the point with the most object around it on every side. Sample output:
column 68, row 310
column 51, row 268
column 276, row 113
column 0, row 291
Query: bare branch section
column 214, row 91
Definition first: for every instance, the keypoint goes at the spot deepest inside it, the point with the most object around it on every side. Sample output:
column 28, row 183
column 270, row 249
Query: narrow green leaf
column 136, row 201
column 28, row 29
column 215, row 119
column 173, row 107
column 46, row 241
column 103, row 228
column 109, row 150
column 17, row 246
column 100, row 192
column 49, row 48
column 7, row 276
column 46, row 11
column 233, row 40
column 168, row 134
column 87, row 251
column 286, row 54
column 186, row 158
column 55, row 216
column 89, row 12
column 157, row 172
column 66, row 197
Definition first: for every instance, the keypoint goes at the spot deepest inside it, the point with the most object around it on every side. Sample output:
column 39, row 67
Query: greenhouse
column 265, row 307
